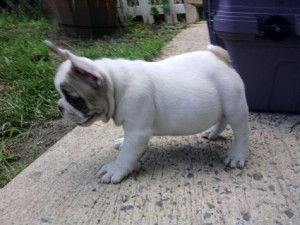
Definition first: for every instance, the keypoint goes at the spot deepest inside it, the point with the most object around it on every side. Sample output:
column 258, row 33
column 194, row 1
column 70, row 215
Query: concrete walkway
column 181, row 180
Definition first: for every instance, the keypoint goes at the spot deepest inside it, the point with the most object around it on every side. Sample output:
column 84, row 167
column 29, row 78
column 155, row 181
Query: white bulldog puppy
column 181, row 95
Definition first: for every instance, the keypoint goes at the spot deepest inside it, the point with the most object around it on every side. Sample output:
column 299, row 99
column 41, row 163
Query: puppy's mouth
column 90, row 119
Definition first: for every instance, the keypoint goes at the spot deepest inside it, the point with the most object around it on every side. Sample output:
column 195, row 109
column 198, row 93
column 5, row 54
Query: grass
column 27, row 94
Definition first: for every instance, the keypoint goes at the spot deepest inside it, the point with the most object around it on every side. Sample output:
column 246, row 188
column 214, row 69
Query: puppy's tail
column 221, row 53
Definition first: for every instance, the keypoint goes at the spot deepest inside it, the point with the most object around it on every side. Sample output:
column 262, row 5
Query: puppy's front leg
column 135, row 143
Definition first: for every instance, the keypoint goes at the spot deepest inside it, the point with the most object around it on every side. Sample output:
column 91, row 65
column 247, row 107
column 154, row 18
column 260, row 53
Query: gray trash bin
column 263, row 39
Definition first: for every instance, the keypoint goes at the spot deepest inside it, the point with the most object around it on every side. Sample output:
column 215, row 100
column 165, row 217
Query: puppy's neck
column 110, row 96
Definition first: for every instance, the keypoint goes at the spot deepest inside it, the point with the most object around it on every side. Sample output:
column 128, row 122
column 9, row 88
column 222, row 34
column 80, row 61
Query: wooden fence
column 147, row 9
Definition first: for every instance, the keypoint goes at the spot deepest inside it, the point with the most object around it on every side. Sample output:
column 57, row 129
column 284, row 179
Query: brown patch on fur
column 95, row 97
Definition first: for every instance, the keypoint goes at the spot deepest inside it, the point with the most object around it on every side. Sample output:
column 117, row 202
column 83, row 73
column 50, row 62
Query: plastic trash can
column 263, row 39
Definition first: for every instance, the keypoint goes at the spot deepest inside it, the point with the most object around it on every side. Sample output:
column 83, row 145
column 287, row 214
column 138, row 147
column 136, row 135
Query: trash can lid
column 235, row 23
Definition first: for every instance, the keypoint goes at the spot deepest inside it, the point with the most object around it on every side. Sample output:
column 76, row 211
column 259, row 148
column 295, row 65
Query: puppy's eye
column 76, row 101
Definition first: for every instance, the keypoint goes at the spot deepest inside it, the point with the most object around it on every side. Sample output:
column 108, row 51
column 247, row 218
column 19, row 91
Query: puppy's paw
column 112, row 173
column 118, row 144
column 234, row 160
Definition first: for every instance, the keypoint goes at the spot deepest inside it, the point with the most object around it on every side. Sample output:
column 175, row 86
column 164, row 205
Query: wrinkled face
column 82, row 88
column 81, row 101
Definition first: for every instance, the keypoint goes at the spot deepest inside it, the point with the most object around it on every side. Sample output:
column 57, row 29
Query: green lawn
column 27, row 94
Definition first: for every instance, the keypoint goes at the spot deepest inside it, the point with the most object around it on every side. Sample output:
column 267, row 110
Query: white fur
column 182, row 95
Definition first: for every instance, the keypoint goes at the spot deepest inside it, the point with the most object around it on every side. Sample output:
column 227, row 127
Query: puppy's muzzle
column 90, row 116
column 61, row 110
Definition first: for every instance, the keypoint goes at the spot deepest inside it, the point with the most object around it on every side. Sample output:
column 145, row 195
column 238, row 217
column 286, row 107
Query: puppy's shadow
column 219, row 138
column 182, row 156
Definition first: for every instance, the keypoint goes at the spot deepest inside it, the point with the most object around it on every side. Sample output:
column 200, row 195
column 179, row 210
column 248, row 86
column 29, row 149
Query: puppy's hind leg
column 237, row 118
column 215, row 131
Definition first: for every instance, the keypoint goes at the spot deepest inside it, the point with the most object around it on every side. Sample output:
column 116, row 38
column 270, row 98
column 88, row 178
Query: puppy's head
column 82, row 88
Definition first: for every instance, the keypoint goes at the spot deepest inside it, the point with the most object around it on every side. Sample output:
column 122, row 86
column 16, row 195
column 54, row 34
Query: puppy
column 181, row 95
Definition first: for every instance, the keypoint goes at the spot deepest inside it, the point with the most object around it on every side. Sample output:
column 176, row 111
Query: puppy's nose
column 61, row 109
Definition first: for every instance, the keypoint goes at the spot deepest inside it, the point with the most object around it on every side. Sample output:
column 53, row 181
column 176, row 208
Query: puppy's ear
column 62, row 53
column 86, row 71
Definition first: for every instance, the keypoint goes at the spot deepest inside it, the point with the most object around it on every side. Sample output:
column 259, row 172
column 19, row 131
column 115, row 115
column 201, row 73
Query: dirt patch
column 3, row 87
column 40, row 139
